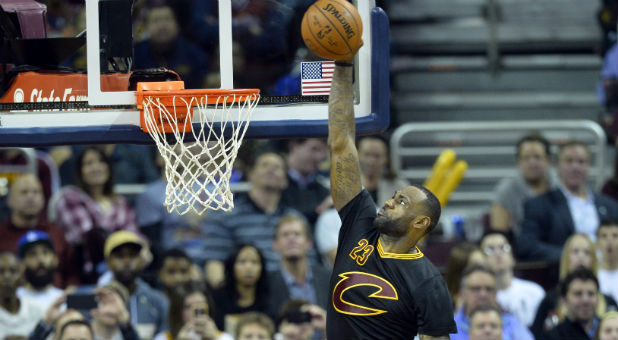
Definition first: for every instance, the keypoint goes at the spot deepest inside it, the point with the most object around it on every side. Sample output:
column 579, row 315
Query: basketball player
column 382, row 287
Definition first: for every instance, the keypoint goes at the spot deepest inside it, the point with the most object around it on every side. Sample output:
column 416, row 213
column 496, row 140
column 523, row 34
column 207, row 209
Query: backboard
column 224, row 44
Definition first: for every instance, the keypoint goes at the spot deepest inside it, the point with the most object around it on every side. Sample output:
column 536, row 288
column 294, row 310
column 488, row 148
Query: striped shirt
column 245, row 224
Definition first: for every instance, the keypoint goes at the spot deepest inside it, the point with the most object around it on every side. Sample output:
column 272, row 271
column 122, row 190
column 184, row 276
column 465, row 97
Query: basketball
column 332, row 29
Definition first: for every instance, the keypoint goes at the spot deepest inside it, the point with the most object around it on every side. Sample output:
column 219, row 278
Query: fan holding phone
column 197, row 318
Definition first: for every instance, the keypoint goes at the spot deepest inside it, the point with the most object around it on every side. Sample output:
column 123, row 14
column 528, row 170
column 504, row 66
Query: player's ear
column 421, row 222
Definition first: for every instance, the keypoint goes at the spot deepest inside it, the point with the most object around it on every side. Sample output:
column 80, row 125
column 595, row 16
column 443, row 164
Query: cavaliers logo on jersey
column 350, row 280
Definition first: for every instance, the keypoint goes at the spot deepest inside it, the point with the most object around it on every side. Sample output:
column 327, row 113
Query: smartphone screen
column 82, row 301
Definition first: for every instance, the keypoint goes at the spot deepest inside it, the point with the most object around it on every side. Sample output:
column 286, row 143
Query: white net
column 198, row 172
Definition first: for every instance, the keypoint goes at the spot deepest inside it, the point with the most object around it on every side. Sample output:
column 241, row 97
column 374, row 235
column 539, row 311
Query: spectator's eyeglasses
column 491, row 250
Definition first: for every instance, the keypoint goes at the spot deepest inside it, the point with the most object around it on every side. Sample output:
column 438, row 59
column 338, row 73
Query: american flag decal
column 316, row 77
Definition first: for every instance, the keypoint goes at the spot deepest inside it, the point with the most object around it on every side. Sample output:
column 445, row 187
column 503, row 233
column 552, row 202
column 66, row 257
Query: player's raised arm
column 344, row 168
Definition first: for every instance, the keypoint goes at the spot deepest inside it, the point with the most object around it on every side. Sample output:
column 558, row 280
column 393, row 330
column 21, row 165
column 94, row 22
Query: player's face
column 608, row 330
column 400, row 212
column 608, row 242
column 247, row 267
column 479, row 289
column 581, row 300
column 498, row 252
column 579, row 253
column 485, row 325
column 573, row 166
column 532, row 161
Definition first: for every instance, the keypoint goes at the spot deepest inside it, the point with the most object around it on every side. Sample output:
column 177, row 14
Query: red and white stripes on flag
column 316, row 77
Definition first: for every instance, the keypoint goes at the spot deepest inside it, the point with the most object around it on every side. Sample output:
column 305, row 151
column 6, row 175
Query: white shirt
column 22, row 323
column 608, row 282
column 584, row 213
column 521, row 298
column 43, row 298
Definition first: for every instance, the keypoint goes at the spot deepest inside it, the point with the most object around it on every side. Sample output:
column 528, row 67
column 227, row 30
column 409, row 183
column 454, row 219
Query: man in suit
column 551, row 218
column 296, row 278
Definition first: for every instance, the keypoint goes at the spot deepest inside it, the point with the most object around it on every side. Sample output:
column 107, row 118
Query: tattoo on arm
column 345, row 171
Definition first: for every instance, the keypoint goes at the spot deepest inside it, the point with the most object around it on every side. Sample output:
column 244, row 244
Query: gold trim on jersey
column 387, row 255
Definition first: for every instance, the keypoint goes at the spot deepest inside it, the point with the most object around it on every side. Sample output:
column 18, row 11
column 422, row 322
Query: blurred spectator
column 111, row 319
column 377, row 177
column 175, row 272
column 533, row 178
column 305, row 191
column 252, row 220
column 608, row 327
column 296, row 278
column 254, row 326
column 607, row 243
column 18, row 316
column 46, row 169
column 299, row 320
column 198, row 319
column 132, row 164
column 464, row 255
column 607, row 22
column 245, row 288
column 516, row 296
column 167, row 230
column 76, row 330
column 36, row 252
column 89, row 212
column 579, row 251
column 26, row 204
column 551, row 218
column 148, row 307
column 478, row 287
column 165, row 47
column 485, row 323
column 54, row 312
column 261, row 34
column 580, row 293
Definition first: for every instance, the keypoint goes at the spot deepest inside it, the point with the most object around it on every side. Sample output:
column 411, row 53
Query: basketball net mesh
column 198, row 173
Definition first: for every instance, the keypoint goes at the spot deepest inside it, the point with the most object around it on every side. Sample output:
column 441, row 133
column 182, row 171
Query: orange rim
column 167, row 93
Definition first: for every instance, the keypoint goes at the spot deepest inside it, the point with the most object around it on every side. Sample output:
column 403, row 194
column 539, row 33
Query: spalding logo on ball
column 332, row 29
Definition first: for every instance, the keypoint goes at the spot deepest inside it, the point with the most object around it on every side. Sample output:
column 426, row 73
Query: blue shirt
column 512, row 328
column 304, row 291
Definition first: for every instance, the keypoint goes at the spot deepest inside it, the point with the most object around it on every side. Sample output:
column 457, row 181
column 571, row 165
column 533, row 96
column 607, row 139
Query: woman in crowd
column 462, row 256
column 578, row 251
column 196, row 316
column 91, row 210
column 245, row 288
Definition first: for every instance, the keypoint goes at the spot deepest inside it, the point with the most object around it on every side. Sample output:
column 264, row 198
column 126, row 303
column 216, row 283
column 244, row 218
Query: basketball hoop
column 198, row 170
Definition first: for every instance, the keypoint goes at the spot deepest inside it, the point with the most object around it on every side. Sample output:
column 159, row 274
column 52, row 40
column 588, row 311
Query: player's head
column 413, row 209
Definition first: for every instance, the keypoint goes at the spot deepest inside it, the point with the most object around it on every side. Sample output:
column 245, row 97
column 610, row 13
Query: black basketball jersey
column 381, row 295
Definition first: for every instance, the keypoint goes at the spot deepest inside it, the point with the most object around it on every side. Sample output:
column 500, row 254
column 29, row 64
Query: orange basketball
column 332, row 29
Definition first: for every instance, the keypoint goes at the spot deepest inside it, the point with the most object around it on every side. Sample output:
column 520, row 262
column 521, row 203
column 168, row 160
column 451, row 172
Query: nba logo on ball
column 332, row 29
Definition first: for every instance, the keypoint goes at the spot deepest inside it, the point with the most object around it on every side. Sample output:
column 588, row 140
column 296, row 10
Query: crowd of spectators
column 264, row 268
